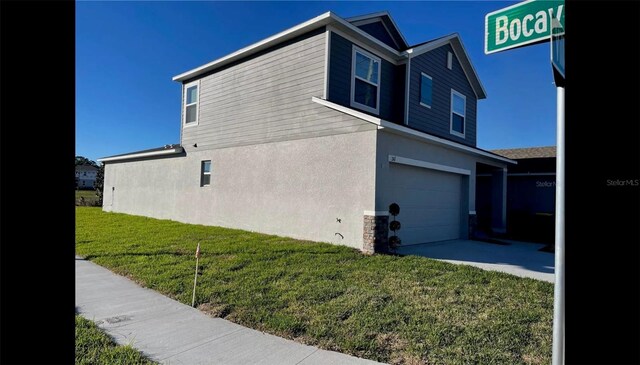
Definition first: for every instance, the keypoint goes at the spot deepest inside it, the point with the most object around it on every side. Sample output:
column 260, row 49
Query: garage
column 430, row 203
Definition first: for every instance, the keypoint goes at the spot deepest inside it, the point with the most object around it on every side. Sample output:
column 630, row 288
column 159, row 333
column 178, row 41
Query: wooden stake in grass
column 195, row 279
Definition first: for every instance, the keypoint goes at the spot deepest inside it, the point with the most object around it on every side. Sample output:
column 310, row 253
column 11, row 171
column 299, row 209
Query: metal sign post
column 557, row 65
column 523, row 24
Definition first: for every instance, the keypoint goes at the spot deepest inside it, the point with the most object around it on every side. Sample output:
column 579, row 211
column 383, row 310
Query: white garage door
column 429, row 203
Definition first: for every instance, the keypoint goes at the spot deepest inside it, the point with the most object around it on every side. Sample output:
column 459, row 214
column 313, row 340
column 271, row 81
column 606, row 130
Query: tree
column 99, row 185
column 81, row 160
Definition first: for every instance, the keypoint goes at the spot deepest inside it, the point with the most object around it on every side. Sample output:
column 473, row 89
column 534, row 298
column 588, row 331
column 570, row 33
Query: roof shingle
column 527, row 152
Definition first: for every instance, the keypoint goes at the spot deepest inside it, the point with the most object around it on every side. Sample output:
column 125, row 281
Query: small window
column 205, row 175
column 458, row 113
column 449, row 60
column 365, row 80
column 426, row 89
column 191, row 104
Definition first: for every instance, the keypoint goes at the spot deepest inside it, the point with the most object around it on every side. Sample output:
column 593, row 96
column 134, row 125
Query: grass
column 94, row 347
column 85, row 193
column 402, row 310
column 89, row 196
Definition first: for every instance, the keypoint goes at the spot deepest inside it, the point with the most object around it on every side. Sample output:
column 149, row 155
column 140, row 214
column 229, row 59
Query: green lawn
column 94, row 347
column 404, row 310
column 85, row 193
column 88, row 195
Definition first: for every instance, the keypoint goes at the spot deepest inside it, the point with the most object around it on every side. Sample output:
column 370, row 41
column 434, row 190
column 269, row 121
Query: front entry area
column 430, row 203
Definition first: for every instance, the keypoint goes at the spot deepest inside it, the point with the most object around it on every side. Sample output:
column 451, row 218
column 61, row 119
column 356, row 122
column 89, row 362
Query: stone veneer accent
column 376, row 233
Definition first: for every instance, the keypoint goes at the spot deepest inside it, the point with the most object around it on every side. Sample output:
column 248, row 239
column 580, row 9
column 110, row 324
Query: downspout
column 407, row 54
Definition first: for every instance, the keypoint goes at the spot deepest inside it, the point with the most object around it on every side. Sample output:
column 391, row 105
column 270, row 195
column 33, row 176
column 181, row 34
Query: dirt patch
column 215, row 309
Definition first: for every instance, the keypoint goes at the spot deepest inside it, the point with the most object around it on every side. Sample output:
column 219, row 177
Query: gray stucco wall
column 266, row 98
column 391, row 81
column 392, row 144
column 293, row 188
column 436, row 120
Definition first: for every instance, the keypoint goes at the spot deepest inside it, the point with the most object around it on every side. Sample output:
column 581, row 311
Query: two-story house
column 313, row 132
column 86, row 176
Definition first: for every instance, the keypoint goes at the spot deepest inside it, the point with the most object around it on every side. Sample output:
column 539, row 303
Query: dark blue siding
column 378, row 30
column 391, row 81
column 436, row 120
column 340, row 70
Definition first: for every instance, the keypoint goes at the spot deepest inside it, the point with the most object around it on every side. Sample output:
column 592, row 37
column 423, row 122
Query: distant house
column 86, row 176
column 530, row 193
column 313, row 132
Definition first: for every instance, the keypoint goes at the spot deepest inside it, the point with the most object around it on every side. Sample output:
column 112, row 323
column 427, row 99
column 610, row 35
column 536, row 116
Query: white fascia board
column 473, row 69
column 398, row 29
column 402, row 130
column 346, row 110
column 405, row 131
column 366, row 35
column 263, row 44
column 358, row 41
column 290, row 33
column 428, row 165
column 416, row 51
column 143, row 154
column 366, row 16
column 378, row 15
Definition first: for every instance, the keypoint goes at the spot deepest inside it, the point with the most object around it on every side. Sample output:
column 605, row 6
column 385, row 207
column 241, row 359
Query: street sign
column 521, row 24
column 557, row 51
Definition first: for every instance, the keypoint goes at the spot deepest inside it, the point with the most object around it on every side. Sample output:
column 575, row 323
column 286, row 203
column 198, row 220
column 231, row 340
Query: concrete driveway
column 517, row 258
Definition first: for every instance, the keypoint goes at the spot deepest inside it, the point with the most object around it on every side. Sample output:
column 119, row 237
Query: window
column 205, row 174
column 458, row 112
column 365, row 80
column 191, row 103
column 449, row 60
column 426, row 88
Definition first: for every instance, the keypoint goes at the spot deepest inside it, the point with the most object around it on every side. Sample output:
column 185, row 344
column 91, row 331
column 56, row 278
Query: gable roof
column 527, row 152
column 343, row 25
column 461, row 54
column 387, row 21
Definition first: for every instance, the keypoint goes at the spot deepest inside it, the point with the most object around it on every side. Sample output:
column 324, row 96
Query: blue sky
column 127, row 53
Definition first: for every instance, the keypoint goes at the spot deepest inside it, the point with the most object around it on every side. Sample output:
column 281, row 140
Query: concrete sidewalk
column 173, row 333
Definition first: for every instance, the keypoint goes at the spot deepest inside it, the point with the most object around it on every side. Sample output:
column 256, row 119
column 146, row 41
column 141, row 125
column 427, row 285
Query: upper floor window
column 205, row 173
column 426, row 89
column 365, row 80
column 458, row 113
column 191, row 97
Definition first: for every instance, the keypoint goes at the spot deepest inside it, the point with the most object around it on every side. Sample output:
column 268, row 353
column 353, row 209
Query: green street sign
column 521, row 24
